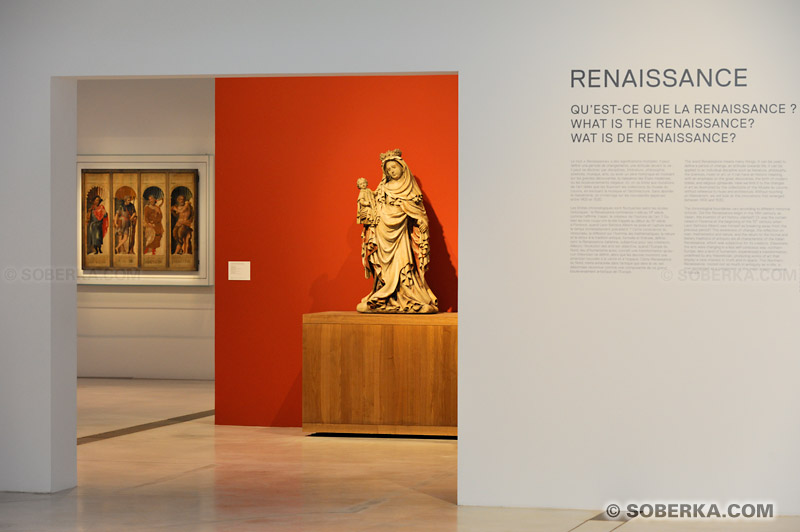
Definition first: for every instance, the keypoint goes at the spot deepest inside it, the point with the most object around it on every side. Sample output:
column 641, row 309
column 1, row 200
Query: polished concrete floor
column 195, row 476
column 111, row 404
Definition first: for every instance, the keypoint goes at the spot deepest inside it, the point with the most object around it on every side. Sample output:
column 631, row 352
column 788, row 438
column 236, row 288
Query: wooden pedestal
column 380, row 373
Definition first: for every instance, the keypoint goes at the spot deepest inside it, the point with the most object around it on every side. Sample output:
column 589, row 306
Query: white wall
column 146, row 332
column 573, row 391
column 578, row 390
column 146, row 116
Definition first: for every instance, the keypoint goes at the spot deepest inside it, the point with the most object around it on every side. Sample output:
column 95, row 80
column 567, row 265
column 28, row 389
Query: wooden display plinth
column 380, row 373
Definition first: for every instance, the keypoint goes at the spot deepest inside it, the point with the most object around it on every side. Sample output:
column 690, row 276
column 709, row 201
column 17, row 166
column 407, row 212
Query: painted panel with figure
column 126, row 220
column 95, row 196
column 154, row 237
column 183, row 221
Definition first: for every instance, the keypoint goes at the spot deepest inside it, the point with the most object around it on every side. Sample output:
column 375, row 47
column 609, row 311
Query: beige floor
column 196, row 476
column 111, row 404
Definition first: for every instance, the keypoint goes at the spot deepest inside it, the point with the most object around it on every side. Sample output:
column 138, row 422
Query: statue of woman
column 394, row 247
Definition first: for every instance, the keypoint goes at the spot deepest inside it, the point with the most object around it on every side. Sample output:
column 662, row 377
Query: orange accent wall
column 288, row 153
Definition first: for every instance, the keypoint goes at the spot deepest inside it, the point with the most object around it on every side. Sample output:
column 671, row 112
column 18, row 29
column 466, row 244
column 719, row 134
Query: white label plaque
column 239, row 270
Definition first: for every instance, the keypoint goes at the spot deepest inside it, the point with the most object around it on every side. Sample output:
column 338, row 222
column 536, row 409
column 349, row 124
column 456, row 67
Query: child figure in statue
column 366, row 203
column 394, row 248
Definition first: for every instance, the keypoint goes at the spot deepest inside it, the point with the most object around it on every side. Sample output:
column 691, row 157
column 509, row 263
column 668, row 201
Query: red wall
column 288, row 153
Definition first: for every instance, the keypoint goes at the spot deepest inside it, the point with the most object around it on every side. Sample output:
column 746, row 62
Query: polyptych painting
column 139, row 220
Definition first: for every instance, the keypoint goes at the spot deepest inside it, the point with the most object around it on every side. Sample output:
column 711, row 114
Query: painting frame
column 198, row 217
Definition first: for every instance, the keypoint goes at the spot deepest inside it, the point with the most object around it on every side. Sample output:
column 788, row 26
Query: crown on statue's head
column 391, row 154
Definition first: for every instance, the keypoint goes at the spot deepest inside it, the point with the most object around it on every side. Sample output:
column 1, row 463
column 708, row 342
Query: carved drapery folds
column 394, row 242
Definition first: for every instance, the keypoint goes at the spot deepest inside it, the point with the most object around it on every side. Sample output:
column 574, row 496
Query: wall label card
column 239, row 270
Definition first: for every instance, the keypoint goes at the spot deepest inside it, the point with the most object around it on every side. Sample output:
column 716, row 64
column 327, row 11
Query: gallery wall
column 612, row 386
column 289, row 152
column 647, row 345
column 140, row 331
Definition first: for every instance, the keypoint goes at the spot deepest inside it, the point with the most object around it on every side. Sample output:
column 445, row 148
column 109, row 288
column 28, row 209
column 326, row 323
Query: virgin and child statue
column 394, row 242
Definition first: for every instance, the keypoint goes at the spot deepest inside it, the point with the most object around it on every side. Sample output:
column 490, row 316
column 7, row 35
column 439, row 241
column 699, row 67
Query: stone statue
column 394, row 242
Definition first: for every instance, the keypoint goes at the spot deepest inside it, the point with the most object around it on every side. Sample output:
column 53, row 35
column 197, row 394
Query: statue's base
column 380, row 373
column 364, row 309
